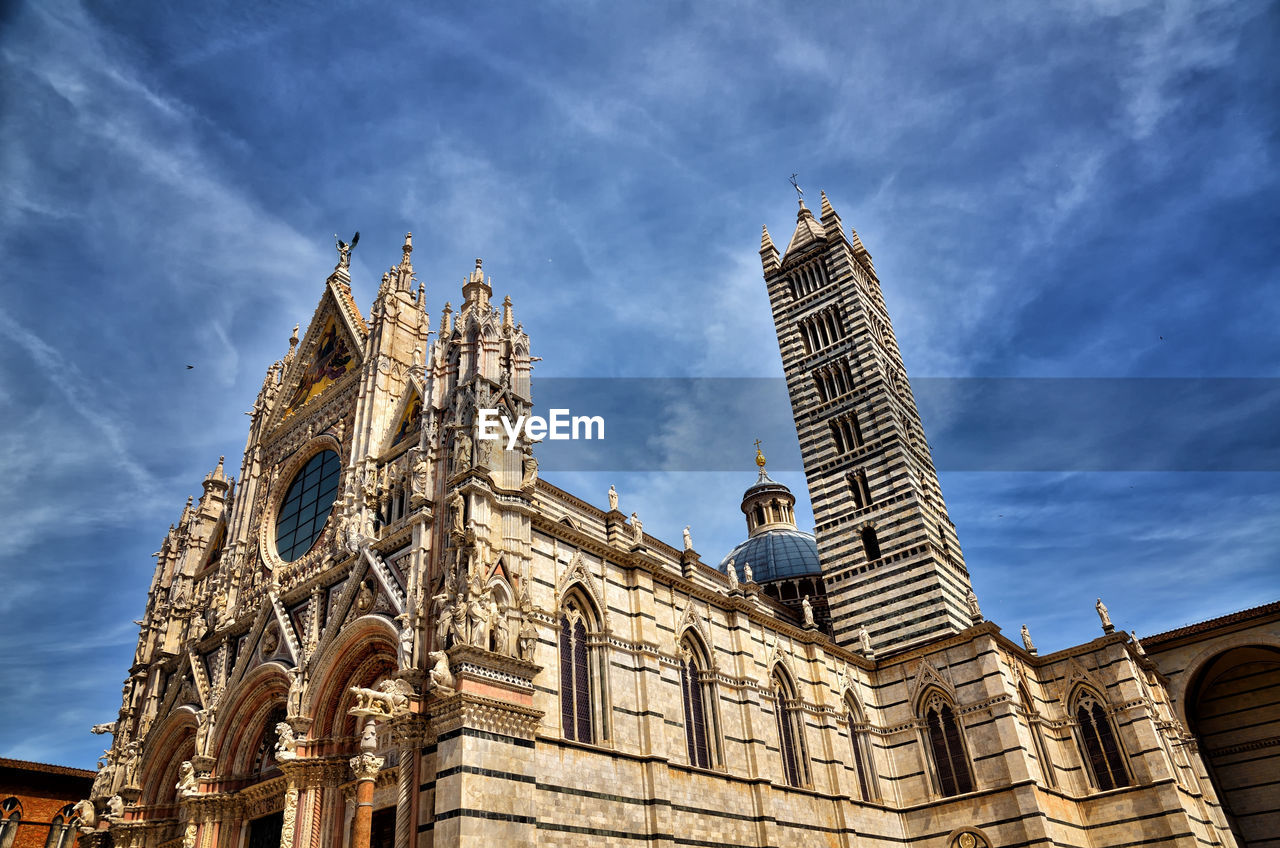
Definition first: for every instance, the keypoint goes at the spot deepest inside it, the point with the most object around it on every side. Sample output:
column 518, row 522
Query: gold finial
column 759, row 455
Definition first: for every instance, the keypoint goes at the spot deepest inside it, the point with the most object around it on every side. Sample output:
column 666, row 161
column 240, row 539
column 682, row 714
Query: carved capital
column 366, row 766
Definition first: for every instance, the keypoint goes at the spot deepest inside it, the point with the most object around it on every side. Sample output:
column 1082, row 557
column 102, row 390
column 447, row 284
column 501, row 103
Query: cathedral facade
column 389, row 631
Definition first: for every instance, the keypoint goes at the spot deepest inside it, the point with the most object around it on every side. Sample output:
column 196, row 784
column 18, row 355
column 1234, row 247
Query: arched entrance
column 1233, row 707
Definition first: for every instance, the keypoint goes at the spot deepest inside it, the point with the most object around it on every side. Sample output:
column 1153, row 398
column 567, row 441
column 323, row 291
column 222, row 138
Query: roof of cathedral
column 777, row 554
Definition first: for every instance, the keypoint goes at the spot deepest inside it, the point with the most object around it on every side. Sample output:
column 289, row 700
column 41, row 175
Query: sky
column 1050, row 191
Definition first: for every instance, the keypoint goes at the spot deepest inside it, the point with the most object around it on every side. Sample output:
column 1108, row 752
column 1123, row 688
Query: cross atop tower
column 799, row 191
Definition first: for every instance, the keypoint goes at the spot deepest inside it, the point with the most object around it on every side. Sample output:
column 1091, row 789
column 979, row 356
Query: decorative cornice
column 464, row 709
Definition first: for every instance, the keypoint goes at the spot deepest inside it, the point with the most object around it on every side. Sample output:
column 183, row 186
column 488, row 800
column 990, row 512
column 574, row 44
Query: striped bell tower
column 890, row 558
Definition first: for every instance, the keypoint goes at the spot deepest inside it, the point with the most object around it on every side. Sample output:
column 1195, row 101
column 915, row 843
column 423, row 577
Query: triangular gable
column 409, row 423
column 330, row 353
column 332, row 358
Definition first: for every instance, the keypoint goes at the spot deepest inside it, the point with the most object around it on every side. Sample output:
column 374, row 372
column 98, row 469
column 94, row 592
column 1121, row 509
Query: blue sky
column 1049, row 190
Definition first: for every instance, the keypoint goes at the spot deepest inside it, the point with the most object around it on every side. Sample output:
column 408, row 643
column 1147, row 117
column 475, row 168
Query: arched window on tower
column 860, row 742
column 946, row 747
column 10, row 818
column 1098, row 742
column 581, row 683
column 790, row 721
column 698, row 695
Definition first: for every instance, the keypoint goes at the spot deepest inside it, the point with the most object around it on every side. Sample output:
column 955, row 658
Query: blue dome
column 777, row 554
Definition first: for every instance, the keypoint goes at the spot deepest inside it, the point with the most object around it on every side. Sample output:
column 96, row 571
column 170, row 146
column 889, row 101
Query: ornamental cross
column 796, row 186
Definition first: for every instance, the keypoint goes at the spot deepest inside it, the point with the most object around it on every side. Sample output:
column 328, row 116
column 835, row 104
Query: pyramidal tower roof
column 808, row 231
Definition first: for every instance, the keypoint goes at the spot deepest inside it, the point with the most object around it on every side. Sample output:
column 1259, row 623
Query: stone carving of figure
column 369, row 736
column 440, row 675
column 613, row 498
column 293, row 701
column 286, row 743
column 461, row 452
column 529, row 465
column 498, row 619
column 115, row 807
column 405, row 657
column 204, row 723
column 688, row 540
column 807, row 609
column 478, row 619
column 188, row 782
column 459, row 624
column 732, row 571
column 105, row 727
column 419, row 476
column 637, row 529
column 344, row 251
column 1026, row 640
column 364, row 597
column 457, row 510
column 88, row 816
column 444, row 618
column 106, row 774
column 864, row 640
column 528, row 641
column 1104, row 615
column 1137, row 646
column 746, row 573
column 975, row 612
column 130, row 764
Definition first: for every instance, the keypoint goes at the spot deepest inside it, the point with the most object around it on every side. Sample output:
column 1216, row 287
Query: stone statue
column 286, row 743
column 530, row 467
column 87, row 814
column 105, row 727
column 746, row 573
column 461, row 452
column 498, row 619
column 528, row 641
column 688, row 540
column 419, row 476
column 440, row 676
column 344, row 251
column 1026, row 640
column 1137, row 646
column 204, row 723
column 457, row 512
column 637, row 529
column 478, row 619
column 613, row 498
column 115, row 807
column 444, row 618
column 369, row 736
column 864, row 640
column 188, row 782
column 106, row 775
column 129, row 765
column 293, row 701
column 732, row 571
column 975, row 612
column 807, row 609
column 458, row 626
column 405, row 657
column 1104, row 615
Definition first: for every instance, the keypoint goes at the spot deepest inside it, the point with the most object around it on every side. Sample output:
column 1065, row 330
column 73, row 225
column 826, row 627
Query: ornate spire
column 507, row 320
column 476, row 291
column 830, row 219
column 768, row 253
column 808, row 231
column 404, row 276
